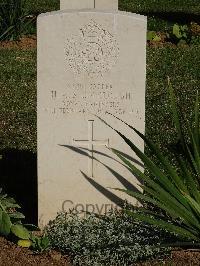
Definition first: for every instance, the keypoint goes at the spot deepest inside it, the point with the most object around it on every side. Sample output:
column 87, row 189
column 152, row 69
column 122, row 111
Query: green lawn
column 162, row 14
column 139, row 6
column 41, row 6
column 18, row 93
column 18, row 99
column 182, row 66
column 158, row 6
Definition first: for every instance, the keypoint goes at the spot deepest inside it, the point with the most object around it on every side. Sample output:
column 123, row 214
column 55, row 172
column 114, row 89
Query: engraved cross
column 91, row 142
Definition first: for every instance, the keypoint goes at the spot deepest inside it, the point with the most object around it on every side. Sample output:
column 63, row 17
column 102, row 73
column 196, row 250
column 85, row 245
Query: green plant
column 11, row 224
column 40, row 243
column 10, row 218
column 186, row 34
column 181, row 34
column 153, row 36
column 176, row 192
column 114, row 239
column 13, row 19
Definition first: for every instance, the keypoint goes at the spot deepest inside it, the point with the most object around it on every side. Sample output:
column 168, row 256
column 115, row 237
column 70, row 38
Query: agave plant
column 175, row 192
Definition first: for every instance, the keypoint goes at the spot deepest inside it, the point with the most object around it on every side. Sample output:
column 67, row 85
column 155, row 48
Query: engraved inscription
column 94, row 51
column 96, row 98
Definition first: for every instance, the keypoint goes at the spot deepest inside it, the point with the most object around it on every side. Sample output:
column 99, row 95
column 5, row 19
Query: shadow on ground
column 18, row 178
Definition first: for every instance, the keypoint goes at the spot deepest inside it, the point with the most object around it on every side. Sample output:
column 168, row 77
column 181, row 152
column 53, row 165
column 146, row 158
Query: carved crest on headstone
column 93, row 51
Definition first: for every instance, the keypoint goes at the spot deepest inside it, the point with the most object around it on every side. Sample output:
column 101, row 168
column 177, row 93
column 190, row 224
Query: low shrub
column 115, row 239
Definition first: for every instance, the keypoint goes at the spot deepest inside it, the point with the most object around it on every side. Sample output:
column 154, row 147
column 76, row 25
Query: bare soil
column 177, row 258
column 12, row 255
column 29, row 42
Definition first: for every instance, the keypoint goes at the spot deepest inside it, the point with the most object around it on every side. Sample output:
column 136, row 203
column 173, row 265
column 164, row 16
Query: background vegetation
column 18, row 88
column 140, row 6
column 161, row 13
column 18, row 93
column 40, row 6
column 161, row 6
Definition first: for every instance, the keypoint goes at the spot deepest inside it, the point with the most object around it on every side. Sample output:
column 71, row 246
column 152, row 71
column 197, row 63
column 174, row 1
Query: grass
column 18, row 99
column 162, row 14
column 139, row 6
column 18, row 93
column 182, row 66
column 41, row 6
column 161, row 6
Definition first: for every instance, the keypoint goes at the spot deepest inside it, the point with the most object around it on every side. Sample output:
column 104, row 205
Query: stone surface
column 89, row 63
column 76, row 4
column 98, row 4
column 106, row 4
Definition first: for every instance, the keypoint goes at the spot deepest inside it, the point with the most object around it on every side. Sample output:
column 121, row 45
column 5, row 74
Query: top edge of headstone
column 97, row 4
column 113, row 12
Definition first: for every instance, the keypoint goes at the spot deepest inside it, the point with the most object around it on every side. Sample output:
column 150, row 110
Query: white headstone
column 98, row 4
column 76, row 4
column 89, row 63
